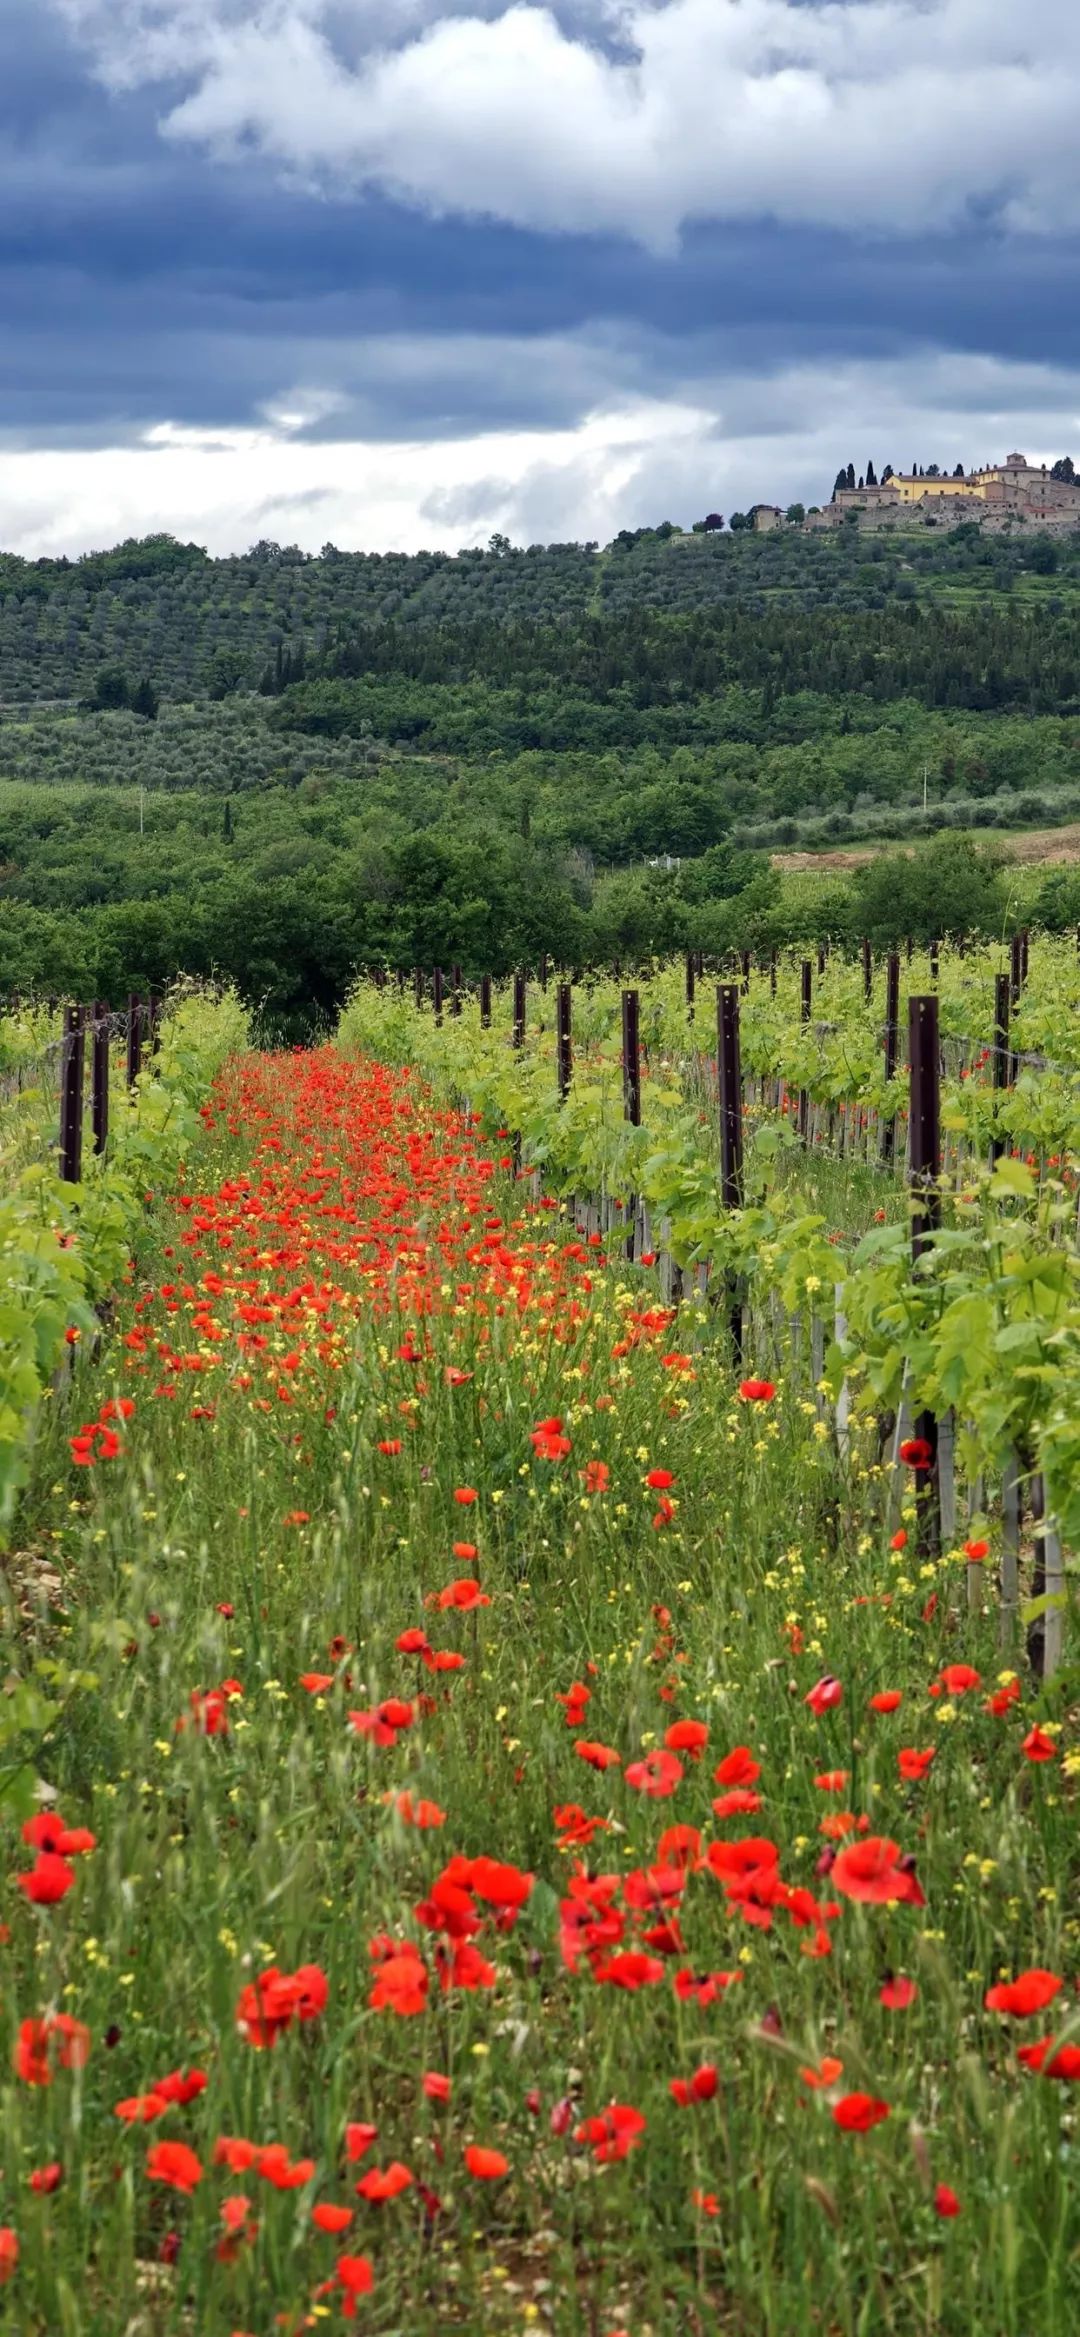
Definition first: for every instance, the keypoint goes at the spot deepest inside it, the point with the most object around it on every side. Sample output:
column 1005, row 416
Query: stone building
column 1000, row 495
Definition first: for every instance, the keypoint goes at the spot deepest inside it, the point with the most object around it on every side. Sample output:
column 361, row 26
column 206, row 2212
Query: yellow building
column 911, row 490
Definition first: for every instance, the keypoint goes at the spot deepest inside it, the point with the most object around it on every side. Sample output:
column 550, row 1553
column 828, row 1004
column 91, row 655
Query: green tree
column 112, row 690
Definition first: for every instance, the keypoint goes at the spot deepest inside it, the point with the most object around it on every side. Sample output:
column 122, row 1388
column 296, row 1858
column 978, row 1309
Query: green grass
column 185, row 1561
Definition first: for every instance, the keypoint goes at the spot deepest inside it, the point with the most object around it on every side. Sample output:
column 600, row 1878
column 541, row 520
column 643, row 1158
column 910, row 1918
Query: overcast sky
column 401, row 272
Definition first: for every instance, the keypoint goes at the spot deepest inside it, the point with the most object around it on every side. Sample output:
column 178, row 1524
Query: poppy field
column 506, row 1826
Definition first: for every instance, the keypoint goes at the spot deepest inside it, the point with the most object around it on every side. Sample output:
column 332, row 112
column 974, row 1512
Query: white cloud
column 714, row 443
column 884, row 114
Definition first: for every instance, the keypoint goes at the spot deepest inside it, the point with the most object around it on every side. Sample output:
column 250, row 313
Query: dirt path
column 1031, row 846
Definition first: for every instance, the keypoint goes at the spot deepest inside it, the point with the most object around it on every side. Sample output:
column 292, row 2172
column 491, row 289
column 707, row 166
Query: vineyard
column 540, row 1738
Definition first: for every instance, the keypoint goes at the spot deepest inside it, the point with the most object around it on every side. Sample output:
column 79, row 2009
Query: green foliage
column 63, row 1247
column 482, row 759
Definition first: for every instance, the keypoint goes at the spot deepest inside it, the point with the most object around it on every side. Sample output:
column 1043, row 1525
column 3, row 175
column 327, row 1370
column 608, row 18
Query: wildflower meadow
column 511, row 1820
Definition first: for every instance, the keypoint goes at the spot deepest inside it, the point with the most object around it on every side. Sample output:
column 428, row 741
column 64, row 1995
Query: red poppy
column 825, row 1695
column 574, row 1828
column 141, row 2109
column 614, row 2134
column 975, row 1552
column 420, row 1813
column 886, row 1700
column 630, row 1969
column 679, row 1847
column 59, row 2036
column 687, row 1736
column 946, row 2202
column 328, row 2218
column 820, row 2079
column 701, row 2087
column 355, row 2278
column 436, row 2087
column 574, row 1700
column 857, row 2113
column 9, row 2253
column 917, row 1452
column 173, row 2163
column 875, row 1872
column 1030, row 1992
column 47, row 1831
column 656, row 1776
column 283, row 2173
column 465, row 1595
column 912, row 1764
column 597, row 1756
column 756, row 1391
column 400, row 1984
column 597, row 1476
column 488, row 2166
column 45, row 2180
column 1037, row 1746
column 660, row 1480
column 738, row 1804
column 956, row 1679
column 1063, row 2063
column 737, row 1768
column 896, row 1993
column 49, row 1880
column 382, row 2183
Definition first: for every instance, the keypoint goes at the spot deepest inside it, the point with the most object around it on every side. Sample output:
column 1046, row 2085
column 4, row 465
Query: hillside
column 359, row 759
column 199, row 626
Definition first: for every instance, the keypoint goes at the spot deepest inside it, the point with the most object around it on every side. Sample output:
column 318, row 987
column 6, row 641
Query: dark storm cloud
column 140, row 282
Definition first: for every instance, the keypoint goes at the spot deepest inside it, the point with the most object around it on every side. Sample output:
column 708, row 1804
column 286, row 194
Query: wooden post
column 925, row 1124
column 519, row 1010
column 71, row 1094
column 418, row 985
column 892, row 1036
column 134, row 1037
column 1001, row 1052
column 729, row 1084
column 935, row 964
column 745, row 969
column 690, row 983
column 564, row 1044
column 437, row 992
column 455, row 989
column 153, row 1021
column 822, row 955
column 772, row 972
column 867, row 970
column 1016, row 968
column 805, row 1006
column 99, row 1077
column 485, row 1002
column 631, row 1057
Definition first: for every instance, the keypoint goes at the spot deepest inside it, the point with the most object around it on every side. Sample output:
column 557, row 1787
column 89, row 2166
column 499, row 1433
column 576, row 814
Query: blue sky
column 394, row 272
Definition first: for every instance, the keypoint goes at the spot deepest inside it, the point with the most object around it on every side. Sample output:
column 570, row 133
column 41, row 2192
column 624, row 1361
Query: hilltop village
column 1000, row 497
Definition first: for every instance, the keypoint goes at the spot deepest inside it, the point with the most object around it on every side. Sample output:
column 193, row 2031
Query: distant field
column 1034, row 847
